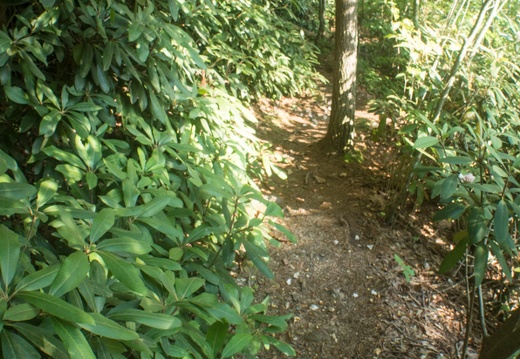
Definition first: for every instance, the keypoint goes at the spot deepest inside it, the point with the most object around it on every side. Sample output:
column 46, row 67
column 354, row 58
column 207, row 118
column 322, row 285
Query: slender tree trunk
column 340, row 131
column 321, row 15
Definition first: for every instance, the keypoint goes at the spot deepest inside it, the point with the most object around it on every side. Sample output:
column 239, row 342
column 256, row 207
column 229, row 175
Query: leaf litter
column 350, row 298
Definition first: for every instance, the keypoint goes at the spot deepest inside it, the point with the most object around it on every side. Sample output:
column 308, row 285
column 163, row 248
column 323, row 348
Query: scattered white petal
column 373, row 292
column 296, row 275
column 314, row 307
column 355, row 295
column 370, row 246
column 336, row 242
column 289, row 281
column 357, row 238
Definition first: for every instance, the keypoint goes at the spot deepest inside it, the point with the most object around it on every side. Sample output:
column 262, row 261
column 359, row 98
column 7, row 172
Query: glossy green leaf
column 72, row 272
column 9, row 253
column 425, row 142
column 103, row 221
column 282, row 229
column 238, row 343
column 15, row 191
column 153, row 320
column 124, row 244
column 64, row 156
column 56, row 307
column 108, row 328
column 216, row 335
column 281, row 346
column 451, row 212
column 21, row 312
column 457, row 160
column 73, row 339
column 497, row 252
column 453, row 257
column 257, row 255
column 86, row 60
column 16, row 347
column 46, row 191
column 449, row 187
column 38, row 280
column 477, row 225
column 17, row 95
column 43, row 340
column 185, row 287
column 69, row 230
column 135, row 30
column 481, row 262
column 49, row 122
column 501, row 222
column 124, row 271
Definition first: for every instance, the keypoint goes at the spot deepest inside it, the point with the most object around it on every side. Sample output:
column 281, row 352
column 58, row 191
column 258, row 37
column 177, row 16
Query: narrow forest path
column 349, row 296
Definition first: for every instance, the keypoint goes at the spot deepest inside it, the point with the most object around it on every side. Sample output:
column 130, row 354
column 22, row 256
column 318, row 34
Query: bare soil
column 349, row 296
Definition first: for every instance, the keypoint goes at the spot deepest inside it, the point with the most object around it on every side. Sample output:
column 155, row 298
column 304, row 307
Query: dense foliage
column 126, row 172
column 457, row 103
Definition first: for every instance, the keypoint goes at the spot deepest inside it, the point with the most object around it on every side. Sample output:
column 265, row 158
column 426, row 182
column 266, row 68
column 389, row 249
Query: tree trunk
column 340, row 131
column 321, row 15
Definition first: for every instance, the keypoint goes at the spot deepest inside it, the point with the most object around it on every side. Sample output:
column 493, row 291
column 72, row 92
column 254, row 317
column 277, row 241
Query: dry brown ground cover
column 348, row 294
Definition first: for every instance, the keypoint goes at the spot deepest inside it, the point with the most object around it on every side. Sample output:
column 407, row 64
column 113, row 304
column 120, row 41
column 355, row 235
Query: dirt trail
column 349, row 296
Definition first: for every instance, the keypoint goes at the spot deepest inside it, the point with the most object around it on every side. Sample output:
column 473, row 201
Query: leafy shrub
column 249, row 49
column 125, row 185
column 462, row 119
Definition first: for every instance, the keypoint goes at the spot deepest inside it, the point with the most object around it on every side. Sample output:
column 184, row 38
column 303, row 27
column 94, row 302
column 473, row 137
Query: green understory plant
column 460, row 101
column 126, row 184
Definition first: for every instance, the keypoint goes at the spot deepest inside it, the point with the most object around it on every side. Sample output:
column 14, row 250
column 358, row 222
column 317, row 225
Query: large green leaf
column 108, row 328
column 453, row 257
column 21, row 312
column 257, row 255
column 154, row 320
column 124, row 271
column 38, row 280
column 75, row 342
column 501, row 222
column 14, row 190
column 425, row 142
column 281, row 346
column 124, row 244
column 238, row 343
column 15, row 347
column 17, row 95
column 187, row 286
column 449, row 187
column 43, row 340
column 451, row 212
column 56, row 307
column 216, row 336
column 69, row 230
column 46, row 191
column 477, row 225
column 481, row 261
column 103, row 221
column 9, row 253
column 72, row 272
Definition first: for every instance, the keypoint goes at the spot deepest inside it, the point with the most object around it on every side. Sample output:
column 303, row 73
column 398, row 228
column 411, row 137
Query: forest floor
column 349, row 296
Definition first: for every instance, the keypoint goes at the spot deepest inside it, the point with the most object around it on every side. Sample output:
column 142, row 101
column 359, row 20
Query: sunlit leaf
column 15, row 347
column 154, row 320
column 103, row 221
column 56, row 307
column 74, row 340
column 238, row 343
column 72, row 272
